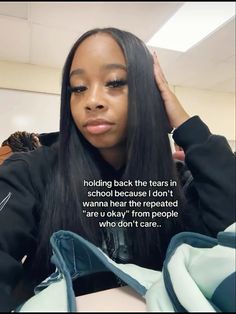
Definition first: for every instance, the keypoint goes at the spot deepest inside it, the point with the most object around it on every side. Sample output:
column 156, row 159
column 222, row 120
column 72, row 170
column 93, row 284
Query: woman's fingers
column 175, row 112
column 159, row 75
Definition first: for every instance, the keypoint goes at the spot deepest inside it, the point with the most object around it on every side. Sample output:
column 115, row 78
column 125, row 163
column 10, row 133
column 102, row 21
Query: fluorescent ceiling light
column 191, row 23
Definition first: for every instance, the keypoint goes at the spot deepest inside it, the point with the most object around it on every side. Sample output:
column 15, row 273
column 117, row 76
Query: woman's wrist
column 180, row 119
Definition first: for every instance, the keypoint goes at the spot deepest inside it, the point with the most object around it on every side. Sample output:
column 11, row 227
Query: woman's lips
column 98, row 126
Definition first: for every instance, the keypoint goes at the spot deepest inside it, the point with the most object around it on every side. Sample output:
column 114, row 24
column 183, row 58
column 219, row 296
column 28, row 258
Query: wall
column 217, row 109
column 29, row 98
column 28, row 111
column 29, row 77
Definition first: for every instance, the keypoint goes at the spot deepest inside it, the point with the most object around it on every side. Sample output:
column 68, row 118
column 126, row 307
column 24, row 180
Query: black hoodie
column 23, row 180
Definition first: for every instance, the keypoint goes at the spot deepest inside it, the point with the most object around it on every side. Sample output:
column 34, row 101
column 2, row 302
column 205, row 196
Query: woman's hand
column 175, row 112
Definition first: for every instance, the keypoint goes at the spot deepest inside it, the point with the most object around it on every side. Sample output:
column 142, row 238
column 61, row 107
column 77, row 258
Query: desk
column 123, row 299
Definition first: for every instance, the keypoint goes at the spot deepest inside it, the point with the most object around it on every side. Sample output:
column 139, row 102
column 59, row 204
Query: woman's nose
column 95, row 100
column 94, row 106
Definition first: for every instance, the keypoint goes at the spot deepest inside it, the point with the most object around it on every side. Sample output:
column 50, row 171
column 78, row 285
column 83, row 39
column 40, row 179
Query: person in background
column 5, row 152
column 22, row 141
column 18, row 142
column 48, row 139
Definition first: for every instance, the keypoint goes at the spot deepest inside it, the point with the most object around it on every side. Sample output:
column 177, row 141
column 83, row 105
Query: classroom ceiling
column 41, row 33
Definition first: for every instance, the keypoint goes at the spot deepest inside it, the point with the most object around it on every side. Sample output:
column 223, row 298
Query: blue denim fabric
column 75, row 257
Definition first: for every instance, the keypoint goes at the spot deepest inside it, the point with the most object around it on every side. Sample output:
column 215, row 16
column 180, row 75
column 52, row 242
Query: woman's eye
column 78, row 89
column 116, row 83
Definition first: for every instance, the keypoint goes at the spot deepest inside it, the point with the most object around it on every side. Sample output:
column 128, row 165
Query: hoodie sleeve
column 212, row 164
column 18, row 200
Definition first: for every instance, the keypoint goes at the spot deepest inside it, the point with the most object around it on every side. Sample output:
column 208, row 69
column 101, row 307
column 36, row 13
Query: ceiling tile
column 47, row 34
column 15, row 40
column 83, row 16
column 50, row 46
column 14, row 9
column 218, row 45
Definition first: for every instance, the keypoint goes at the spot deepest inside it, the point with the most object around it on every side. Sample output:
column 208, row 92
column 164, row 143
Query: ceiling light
column 191, row 23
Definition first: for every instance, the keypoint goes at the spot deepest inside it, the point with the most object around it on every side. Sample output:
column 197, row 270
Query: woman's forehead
column 98, row 47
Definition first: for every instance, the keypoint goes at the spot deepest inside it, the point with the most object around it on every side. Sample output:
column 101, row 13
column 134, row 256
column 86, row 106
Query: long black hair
column 148, row 153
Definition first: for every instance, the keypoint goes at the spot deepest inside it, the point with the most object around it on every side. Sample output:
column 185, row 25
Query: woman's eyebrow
column 77, row 72
column 109, row 66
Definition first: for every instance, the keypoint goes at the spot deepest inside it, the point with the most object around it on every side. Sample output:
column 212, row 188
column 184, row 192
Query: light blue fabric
column 198, row 274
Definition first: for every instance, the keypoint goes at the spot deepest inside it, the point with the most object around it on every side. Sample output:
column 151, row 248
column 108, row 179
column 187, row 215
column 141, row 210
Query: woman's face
column 99, row 99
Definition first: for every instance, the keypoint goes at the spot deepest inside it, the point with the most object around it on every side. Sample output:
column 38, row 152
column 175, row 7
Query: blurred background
column 35, row 38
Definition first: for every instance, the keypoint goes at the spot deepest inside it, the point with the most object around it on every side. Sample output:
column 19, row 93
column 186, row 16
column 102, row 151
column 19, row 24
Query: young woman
column 116, row 112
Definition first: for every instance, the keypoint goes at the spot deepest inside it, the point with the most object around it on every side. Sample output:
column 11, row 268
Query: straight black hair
column 148, row 155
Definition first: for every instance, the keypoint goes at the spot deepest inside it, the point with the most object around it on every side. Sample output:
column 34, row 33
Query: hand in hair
column 175, row 112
